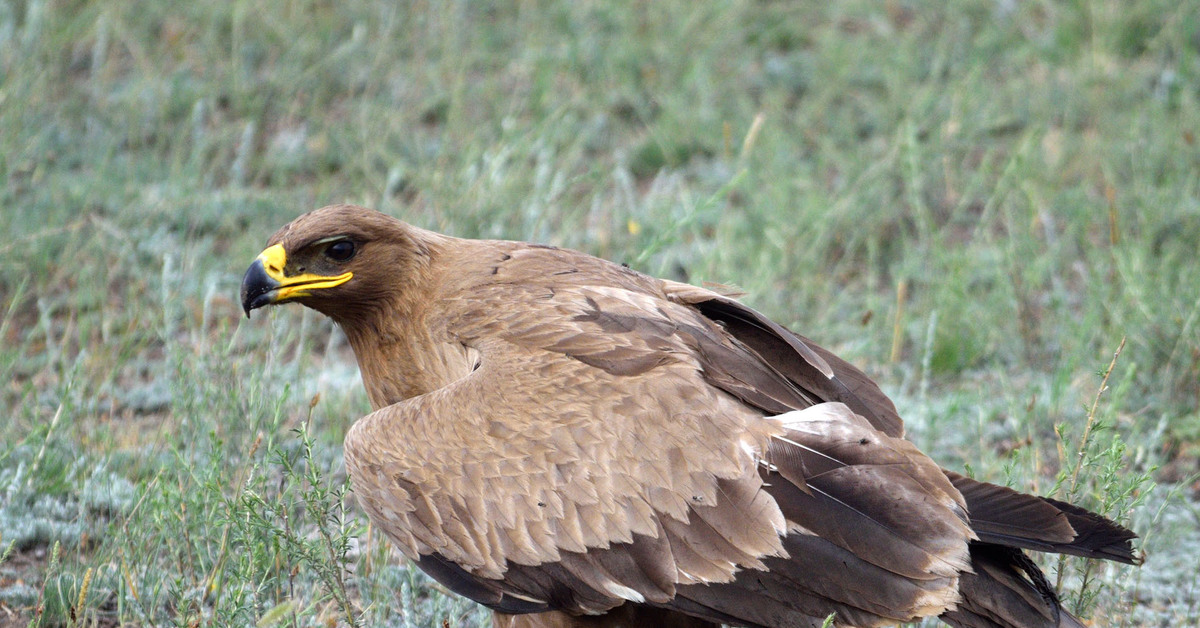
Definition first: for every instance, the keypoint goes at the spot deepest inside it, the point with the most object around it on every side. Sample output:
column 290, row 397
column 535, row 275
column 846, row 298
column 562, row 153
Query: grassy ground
column 977, row 203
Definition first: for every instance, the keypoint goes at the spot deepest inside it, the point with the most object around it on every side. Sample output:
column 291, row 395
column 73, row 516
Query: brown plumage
column 560, row 435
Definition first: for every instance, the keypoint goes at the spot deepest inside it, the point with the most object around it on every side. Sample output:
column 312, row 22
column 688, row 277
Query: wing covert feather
column 606, row 455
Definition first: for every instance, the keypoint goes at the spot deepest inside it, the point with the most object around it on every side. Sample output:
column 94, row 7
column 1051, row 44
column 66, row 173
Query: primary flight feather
column 573, row 443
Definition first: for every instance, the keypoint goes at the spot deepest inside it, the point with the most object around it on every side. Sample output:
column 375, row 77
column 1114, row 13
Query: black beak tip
column 257, row 288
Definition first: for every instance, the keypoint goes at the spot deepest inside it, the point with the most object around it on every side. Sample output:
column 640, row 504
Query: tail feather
column 1096, row 536
column 1006, row 588
column 1005, row 517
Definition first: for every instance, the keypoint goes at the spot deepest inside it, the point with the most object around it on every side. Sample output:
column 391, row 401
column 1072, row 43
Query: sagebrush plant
column 1108, row 488
column 975, row 201
column 309, row 499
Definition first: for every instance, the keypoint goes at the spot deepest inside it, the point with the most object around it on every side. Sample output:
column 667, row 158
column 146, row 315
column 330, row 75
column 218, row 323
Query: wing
column 613, row 446
column 823, row 375
column 569, row 438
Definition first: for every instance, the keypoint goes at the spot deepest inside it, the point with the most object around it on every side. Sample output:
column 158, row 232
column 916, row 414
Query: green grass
column 976, row 202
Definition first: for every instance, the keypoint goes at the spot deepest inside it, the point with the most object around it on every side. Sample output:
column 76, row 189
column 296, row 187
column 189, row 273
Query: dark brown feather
column 1096, row 536
column 823, row 375
column 1003, row 516
column 1005, row 589
column 826, row 580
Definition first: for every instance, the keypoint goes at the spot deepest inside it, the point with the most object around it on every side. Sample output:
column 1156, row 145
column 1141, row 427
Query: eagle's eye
column 340, row 251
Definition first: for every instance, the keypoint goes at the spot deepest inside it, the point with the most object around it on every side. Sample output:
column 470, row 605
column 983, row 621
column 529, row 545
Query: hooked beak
column 266, row 284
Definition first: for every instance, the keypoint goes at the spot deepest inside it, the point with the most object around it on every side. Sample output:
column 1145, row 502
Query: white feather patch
column 623, row 592
column 520, row 596
column 828, row 410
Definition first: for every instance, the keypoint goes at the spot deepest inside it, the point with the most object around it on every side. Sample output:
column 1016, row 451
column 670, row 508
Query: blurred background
column 979, row 203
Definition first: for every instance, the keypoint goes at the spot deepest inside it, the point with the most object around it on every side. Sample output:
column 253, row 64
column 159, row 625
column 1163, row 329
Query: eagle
column 570, row 442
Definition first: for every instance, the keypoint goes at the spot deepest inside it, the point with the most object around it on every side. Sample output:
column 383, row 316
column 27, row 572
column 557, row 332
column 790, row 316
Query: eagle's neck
column 398, row 365
column 401, row 350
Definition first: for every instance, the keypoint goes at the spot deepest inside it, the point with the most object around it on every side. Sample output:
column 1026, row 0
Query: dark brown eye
column 340, row 251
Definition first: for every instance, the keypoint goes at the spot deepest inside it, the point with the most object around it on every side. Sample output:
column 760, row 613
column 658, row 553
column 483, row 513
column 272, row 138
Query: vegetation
column 980, row 203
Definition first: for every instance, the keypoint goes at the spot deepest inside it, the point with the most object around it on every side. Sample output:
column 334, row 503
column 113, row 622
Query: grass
column 976, row 202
